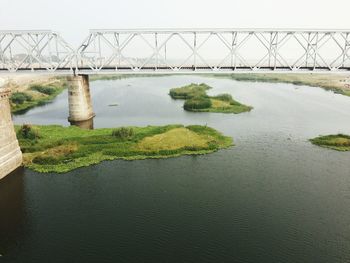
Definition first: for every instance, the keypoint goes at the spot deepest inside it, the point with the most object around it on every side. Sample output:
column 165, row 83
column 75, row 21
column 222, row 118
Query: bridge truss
column 32, row 51
column 178, row 51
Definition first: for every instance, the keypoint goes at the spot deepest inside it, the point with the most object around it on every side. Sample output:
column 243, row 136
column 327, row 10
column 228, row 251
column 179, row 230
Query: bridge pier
column 10, row 153
column 79, row 98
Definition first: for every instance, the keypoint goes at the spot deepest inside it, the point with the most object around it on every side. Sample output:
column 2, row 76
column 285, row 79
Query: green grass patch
column 339, row 142
column 61, row 149
column 197, row 100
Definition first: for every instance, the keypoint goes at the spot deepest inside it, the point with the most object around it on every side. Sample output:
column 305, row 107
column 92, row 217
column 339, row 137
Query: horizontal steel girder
column 177, row 51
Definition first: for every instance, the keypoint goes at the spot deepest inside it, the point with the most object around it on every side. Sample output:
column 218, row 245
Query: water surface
column 273, row 197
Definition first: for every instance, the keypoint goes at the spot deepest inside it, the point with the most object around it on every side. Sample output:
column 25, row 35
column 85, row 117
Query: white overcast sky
column 73, row 18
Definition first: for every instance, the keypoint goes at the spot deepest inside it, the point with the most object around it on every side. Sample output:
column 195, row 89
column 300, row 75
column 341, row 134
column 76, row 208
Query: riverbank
column 338, row 142
column 30, row 91
column 62, row 149
column 125, row 76
column 338, row 83
column 197, row 100
column 26, row 98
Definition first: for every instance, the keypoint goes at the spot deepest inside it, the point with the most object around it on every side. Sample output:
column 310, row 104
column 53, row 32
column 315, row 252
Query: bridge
column 158, row 51
column 177, row 51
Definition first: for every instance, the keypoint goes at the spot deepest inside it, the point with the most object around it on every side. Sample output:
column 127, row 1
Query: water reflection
column 12, row 210
column 87, row 125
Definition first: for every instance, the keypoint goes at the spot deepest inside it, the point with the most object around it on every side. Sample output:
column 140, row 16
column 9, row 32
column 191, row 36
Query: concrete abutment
column 10, row 152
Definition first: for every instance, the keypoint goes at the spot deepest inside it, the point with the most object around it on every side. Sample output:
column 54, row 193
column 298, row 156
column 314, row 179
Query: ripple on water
column 273, row 197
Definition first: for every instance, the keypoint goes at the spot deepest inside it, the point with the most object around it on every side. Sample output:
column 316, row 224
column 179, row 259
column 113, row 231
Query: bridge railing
column 178, row 50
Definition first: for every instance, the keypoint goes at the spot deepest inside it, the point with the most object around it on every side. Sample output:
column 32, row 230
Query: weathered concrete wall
column 79, row 98
column 10, row 153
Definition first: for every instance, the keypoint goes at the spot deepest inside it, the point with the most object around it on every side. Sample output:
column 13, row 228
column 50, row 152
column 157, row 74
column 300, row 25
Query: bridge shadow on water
column 12, row 211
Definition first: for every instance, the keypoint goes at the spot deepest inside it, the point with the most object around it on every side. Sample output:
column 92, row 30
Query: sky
column 73, row 18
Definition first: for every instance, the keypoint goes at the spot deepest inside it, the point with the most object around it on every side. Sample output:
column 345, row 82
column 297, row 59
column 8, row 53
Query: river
column 274, row 197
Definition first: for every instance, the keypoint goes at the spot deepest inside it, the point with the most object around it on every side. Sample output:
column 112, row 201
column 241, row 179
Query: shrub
column 43, row 89
column 123, row 133
column 20, row 97
column 28, row 132
column 194, row 148
column 40, row 159
column 189, row 91
column 197, row 103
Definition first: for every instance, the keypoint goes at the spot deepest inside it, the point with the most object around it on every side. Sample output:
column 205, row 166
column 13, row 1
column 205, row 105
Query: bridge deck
column 178, row 51
column 183, row 70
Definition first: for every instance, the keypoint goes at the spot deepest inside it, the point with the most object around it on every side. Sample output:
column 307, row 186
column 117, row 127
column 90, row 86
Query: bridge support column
column 79, row 98
column 10, row 153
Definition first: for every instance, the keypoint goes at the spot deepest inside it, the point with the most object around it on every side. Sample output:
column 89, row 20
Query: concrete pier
column 79, row 98
column 10, row 153
column 86, row 125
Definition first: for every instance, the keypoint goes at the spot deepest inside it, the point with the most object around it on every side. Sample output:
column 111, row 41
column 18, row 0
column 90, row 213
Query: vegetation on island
column 36, row 95
column 190, row 91
column 196, row 99
column 337, row 83
column 339, row 142
column 61, row 149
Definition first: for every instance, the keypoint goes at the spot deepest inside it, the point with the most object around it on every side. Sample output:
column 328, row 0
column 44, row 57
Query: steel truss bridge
column 177, row 51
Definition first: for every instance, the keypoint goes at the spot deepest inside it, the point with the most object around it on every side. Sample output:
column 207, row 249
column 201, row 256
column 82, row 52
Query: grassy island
column 196, row 99
column 61, row 149
column 339, row 142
